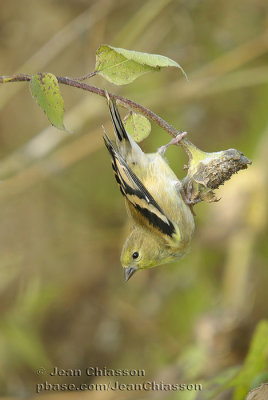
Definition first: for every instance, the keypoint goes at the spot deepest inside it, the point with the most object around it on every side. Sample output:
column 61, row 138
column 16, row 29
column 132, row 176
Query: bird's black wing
column 142, row 204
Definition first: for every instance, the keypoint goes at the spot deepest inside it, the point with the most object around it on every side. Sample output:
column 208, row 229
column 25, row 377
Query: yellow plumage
column 162, row 224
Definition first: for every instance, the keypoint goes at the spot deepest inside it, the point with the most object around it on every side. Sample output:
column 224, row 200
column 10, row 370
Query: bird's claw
column 176, row 140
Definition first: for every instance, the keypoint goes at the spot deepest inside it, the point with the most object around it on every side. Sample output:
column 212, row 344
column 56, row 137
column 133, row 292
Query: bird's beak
column 129, row 271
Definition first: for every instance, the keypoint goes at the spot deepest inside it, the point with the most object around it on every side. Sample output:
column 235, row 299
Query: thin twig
column 135, row 106
column 100, row 92
column 15, row 78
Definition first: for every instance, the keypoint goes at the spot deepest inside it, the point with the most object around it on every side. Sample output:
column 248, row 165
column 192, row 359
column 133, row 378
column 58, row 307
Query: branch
column 80, row 85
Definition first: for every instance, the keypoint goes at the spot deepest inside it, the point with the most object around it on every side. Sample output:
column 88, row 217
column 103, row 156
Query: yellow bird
column 162, row 224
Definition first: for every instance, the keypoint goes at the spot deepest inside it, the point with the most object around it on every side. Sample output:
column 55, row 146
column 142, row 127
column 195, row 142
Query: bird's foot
column 176, row 140
column 190, row 196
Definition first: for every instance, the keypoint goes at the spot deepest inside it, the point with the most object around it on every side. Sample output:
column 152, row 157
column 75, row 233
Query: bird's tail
column 117, row 121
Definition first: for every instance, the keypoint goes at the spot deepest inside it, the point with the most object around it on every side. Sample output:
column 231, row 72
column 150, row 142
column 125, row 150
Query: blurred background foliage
column 63, row 301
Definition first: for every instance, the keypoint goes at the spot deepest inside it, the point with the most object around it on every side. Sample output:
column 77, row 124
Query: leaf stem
column 84, row 77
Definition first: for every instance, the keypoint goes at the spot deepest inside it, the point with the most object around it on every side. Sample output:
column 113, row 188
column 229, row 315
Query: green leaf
column 137, row 126
column 45, row 89
column 255, row 363
column 121, row 66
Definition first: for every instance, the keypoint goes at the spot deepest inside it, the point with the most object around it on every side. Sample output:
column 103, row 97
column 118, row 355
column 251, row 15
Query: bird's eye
column 135, row 255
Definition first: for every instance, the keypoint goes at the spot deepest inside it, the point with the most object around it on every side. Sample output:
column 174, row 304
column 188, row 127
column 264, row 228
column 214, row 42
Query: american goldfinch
column 161, row 223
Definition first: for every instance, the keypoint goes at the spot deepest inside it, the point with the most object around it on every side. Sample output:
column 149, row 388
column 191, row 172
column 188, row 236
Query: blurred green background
column 63, row 300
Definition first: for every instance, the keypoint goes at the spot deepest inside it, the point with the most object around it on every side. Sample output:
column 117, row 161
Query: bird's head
column 144, row 249
column 141, row 250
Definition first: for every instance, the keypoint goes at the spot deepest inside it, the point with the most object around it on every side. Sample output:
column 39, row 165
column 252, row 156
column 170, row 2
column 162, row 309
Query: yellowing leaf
column 137, row 126
column 45, row 89
column 121, row 66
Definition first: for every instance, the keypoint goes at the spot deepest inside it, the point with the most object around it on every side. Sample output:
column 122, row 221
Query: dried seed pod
column 207, row 171
column 218, row 167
